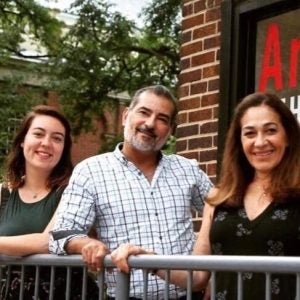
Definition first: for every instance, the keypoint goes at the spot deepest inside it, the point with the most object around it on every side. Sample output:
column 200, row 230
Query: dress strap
column 4, row 196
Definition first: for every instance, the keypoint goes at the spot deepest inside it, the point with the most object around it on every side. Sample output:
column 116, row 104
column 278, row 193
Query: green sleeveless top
column 275, row 232
column 18, row 217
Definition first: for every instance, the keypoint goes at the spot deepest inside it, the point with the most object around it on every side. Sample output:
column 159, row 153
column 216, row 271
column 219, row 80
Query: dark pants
column 195, row 296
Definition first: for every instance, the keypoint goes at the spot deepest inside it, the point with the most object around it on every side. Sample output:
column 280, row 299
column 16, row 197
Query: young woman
column 37, row 171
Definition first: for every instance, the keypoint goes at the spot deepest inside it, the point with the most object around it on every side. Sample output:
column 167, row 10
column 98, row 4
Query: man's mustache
column 147, row 130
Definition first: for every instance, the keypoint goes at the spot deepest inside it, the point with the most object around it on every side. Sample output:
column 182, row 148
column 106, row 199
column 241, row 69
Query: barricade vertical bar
column 84, row 283
column 52, row 277
column 21, row 296
column 240, row 286
column 68, row 285
column 37, row 282
column 268, row 286
column 1, row 277
column 100, row 279
column 167, row 284
column 145, row 280
column 298, row 286
column 8, row 279
column 122, row 288
column 213, row 285
column 189, row 285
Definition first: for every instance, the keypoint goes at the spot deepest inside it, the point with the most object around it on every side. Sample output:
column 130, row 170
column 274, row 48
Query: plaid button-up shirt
column 109, row 192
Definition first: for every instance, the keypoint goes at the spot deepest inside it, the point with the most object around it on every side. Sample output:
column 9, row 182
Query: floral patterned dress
column 275, row 232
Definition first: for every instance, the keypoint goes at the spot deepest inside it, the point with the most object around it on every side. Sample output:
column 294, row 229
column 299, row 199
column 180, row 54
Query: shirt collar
column 122, row 158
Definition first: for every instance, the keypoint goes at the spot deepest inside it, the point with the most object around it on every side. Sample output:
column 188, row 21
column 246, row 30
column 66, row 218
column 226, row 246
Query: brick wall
column 199, row 83
column 197, row 130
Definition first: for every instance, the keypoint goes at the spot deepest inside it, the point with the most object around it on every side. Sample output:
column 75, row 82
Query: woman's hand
column 120, row 255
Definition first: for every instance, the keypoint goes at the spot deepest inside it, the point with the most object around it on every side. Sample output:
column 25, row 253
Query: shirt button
column 156, row 214
column 160, row 237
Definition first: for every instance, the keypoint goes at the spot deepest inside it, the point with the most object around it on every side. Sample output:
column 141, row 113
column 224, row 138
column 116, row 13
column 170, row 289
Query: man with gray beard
column 135, row 194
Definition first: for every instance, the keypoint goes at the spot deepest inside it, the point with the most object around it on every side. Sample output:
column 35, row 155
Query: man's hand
column 120, row 255
column 93, row 254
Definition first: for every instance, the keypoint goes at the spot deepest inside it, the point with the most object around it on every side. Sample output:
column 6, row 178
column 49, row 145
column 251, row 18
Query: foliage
column 110, row 143
column 21, row 19
column 170, row 146
column 15, row 100
column 101, row 53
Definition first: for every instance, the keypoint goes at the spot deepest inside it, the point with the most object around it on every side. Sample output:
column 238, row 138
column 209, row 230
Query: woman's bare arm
column 27, row 244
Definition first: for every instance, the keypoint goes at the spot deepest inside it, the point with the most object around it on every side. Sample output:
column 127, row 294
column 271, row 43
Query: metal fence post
column 122, row 288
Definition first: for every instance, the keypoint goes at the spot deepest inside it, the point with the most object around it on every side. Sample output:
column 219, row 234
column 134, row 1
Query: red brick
column 213, row 85
column 212, row 42
column 201, row 142
column 213, row 179
column 211, row 71
column 212, row 15
column 186, row 37
column 197, row 225
column 190, row 103
column 185, row 63
column 191, row 155
column 219, row 27
column 215, row 141
column 181, row 146
column 208, row 155
column 216, row 112
column 190, row 76
column 187, row 10
column 211, row 169
column 198, row 88
column 202, row 59
column 208, row 100
column 199, row 6
column 209, row 127
column 191, row 48
column 204, row 31
column 200, row 115
column 184, row 91
column 214, row 3
column 193, row 21
column 218, row 55
column 203, row 167
column 182, row 118
column 186, row 131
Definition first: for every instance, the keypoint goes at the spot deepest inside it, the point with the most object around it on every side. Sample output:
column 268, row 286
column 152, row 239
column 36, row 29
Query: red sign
column 278, row 58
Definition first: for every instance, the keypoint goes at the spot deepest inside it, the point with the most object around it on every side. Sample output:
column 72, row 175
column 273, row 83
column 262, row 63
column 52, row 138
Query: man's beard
column 141, row 145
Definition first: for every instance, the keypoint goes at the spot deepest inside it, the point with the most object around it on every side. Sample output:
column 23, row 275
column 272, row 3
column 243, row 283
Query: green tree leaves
column 100, row 52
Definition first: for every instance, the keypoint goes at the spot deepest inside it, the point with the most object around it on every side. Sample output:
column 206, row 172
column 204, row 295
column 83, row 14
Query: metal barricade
column 239, row 264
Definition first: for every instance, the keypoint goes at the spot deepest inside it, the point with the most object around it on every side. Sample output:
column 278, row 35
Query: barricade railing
column 239, row 264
